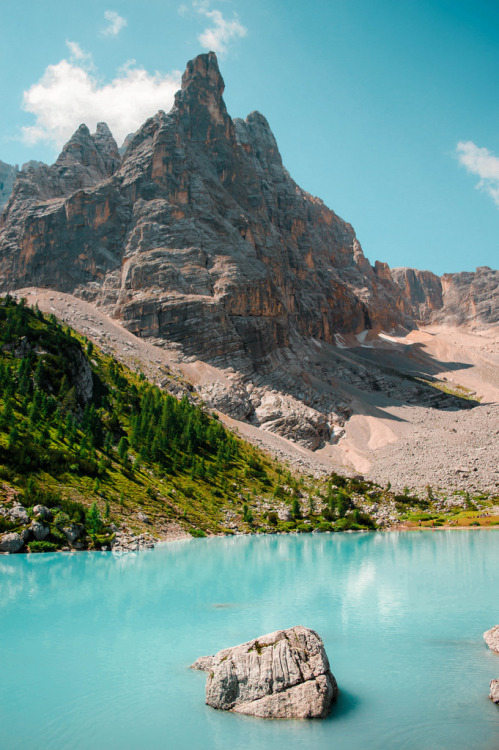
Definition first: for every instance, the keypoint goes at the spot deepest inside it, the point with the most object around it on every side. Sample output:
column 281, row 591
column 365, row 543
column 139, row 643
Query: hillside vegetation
column 102, row 449
column 84, row 436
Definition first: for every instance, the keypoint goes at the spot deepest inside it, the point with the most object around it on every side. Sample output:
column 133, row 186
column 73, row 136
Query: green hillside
column 83, row 435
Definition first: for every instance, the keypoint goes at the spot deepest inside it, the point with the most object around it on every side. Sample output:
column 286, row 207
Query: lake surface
column 95, row 649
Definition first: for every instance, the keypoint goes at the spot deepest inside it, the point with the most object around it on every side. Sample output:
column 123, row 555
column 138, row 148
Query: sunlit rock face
column 197, row 234
column 454, row 298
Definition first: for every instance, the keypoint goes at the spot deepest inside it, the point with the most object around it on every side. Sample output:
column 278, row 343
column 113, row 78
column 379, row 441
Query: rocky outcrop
column 494, row 691
column 42, row 512
column 470, row 297
column 491, row 638
column 196, row 237
column 18, row 514
column 124, row 541
column 8, row 174
column 282, row 675
column 422, row 289
column 39, row 530
column 11, row 542
column 454, row 298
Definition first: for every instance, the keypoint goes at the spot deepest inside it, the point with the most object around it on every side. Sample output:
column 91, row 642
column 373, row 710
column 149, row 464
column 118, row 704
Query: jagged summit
column 98, row 150
column 203, row 72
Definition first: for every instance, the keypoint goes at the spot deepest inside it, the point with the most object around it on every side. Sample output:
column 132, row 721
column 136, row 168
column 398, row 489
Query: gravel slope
column 410, row 446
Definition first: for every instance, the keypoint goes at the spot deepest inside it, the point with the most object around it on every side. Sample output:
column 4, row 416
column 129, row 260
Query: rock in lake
column 282, row 675
column 491, row 638
column 494, row 691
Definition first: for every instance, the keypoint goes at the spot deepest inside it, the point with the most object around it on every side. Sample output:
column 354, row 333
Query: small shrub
column 272, row 518
column 197, row 533
column 303, row 527
column 42, row 546
column 6, row 525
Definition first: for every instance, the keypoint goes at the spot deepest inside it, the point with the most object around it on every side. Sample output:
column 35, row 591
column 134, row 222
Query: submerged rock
column 282, row 675
column 491, row 638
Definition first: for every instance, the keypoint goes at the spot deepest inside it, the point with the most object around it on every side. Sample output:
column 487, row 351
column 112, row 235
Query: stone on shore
column 11, row 542
column 41, row 511
column 40, row 531
column 18, row 514
column 282, row 675
column 491, row 638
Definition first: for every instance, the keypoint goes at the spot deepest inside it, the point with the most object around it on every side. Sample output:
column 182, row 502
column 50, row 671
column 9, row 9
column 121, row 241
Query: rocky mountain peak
column 99, row 151
column 203, row 72
column 201, row 108
column 79, row 147
column 107, row 147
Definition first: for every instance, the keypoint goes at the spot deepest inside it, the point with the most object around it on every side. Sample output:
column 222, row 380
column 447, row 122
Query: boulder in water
column 282, row 675
column 491, row 638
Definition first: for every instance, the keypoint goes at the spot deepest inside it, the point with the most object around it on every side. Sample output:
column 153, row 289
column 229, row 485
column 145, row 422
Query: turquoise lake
column 95, row 649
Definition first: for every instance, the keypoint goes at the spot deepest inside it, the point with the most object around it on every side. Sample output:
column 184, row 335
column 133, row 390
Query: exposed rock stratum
column 282, row 675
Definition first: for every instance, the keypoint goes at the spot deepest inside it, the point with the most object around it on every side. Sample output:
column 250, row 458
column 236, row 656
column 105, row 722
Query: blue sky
column 385, row 109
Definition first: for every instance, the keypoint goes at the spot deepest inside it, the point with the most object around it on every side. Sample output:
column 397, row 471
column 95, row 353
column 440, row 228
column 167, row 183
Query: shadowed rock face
column 282, row 675
column 8, row 174
column 198, row 235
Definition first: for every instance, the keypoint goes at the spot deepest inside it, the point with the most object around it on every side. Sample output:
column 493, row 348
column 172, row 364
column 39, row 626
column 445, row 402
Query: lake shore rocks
column 494, row 691
column 281, row 675
column 11, row 542
column 491, row 638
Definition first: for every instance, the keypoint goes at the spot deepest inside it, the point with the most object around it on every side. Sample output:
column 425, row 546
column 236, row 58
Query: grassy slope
column 132, row 448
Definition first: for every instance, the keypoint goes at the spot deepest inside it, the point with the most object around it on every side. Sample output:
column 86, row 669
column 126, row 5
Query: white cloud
column 70, row 93
column 116, row 23
column 483, row 163
column 223, row 31
column 76, row 51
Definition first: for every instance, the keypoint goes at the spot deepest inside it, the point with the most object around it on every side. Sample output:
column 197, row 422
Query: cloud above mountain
column 70, row 93
column 222, row 32
column 483, row 163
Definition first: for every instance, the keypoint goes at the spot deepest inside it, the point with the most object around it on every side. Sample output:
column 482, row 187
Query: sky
column 387, row 110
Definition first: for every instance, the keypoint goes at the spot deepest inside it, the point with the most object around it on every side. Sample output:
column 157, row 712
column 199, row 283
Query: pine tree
column 94, row 521
column 123, row 449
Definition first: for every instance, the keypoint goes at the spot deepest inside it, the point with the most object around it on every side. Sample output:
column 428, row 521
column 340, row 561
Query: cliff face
column 8, row 174
column 454, row 298
column 197, row 234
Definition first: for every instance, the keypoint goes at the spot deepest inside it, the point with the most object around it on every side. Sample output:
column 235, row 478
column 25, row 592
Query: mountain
column 197, row 238
column 198, row 234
